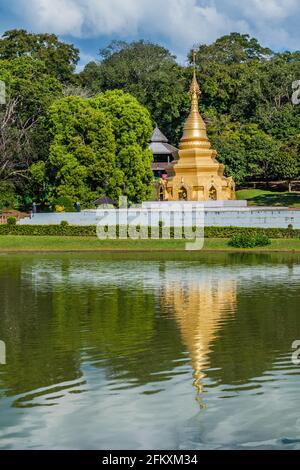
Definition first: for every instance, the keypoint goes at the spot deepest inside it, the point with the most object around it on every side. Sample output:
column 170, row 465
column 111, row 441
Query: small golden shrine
column 196, row 175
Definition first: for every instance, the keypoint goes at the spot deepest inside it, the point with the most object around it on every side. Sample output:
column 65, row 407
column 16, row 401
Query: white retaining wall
column 264, row 217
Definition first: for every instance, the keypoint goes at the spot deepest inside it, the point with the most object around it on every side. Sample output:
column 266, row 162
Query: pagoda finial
column 195, row 89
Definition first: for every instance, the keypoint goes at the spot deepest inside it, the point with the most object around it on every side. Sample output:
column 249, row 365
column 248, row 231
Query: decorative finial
column 194, row 59
column 195, row 89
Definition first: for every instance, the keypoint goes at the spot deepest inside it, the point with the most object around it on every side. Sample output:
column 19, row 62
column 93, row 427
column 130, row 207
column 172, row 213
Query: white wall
column 263, row 217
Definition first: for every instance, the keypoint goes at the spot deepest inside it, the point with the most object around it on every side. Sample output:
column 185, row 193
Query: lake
column 170, row 351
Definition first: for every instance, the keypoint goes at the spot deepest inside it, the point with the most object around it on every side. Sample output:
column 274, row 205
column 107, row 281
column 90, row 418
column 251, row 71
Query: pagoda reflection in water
column 200, row 307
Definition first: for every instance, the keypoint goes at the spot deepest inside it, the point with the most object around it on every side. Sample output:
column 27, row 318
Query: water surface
column 149, row 352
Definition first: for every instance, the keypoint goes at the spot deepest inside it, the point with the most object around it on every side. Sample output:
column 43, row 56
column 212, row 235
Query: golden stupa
column 196, row 175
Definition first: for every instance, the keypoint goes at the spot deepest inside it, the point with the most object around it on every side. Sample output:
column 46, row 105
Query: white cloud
column 180, row 23
column 270, row 9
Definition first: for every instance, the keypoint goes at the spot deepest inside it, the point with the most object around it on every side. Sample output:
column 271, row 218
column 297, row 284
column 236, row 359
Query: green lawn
column 259, row 197
column 15, row 243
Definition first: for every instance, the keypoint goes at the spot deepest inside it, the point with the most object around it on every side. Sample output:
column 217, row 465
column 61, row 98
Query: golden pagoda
column 196, row 175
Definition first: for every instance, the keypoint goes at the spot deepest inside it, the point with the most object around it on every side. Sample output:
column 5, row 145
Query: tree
column 222, row 65
column 99, row 146
column 234, row 48
column 82, row 162
column 132, row 128
column 286, row 165
column 7, row 195
column 23, row 139
column 151, row 74
column 246, row 151
column 59, row 57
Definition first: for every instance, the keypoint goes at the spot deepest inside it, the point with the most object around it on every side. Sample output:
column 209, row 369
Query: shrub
column 63, row 204
column 229, row 232
column 262, row 240
column 11, row 220
column 7, row 195
column 64, row 223
column 90, row 230
column 249, row 241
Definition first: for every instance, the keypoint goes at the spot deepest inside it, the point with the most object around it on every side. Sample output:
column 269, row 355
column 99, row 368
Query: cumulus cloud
column 180, row 23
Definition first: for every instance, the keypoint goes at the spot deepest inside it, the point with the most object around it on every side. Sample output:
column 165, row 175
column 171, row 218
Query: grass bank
column 259, row 197
column 16, row 243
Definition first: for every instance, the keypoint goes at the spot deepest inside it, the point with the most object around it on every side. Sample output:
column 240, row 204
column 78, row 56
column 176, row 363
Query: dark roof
column 104, row 200
column 159, row 148
column 158, row 136
column 159, row 144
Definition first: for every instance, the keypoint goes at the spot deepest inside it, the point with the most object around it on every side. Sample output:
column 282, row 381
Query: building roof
column 160, row 144
column 159, row 148
column 104, row 200
column 158, row 136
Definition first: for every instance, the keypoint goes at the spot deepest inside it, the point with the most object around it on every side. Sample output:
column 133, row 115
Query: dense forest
column 74, row 135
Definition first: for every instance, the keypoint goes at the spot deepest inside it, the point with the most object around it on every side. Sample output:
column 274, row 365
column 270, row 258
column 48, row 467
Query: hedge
column 90, row 231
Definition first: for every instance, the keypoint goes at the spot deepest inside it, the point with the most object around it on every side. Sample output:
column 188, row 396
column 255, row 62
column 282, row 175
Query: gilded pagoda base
column 197, row 178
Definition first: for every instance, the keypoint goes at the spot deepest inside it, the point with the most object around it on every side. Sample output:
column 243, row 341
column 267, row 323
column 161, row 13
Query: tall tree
column 59, row 57
column 99, row 147
column 23, row 138
column 150, row 73
column 82, row 163
column 234, row 48
column 286, row 165
column 131, row 124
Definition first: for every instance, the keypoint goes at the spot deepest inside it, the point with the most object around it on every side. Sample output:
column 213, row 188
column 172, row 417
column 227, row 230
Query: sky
column 176, row 24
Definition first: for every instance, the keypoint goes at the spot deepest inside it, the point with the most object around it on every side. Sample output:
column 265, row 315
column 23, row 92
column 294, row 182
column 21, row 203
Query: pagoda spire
column 195, row 91
column 194, row 135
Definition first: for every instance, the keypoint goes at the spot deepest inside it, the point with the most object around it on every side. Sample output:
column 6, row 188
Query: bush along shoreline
column 249, row 241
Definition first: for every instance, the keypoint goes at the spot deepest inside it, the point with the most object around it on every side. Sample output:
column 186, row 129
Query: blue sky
column 176, row 24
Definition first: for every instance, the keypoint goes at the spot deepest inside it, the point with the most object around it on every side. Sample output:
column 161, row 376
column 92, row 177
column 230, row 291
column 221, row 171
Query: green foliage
column 245, row 149
column 7, row 195
column 99, row 147
column 59, row 57
column 11, row 220
column 132, row 128
column 131, row 122
column 23, row 138
column 229, row 232
column 262, row 240
column 286, row 164
column 49, row 230
column 249, row 241
column 90, row 230
column 63, row 204
column 64, row 223
column 259, row 197
column 151, row 74
column 82, row 163
column 234, row 48
column 27, row 81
